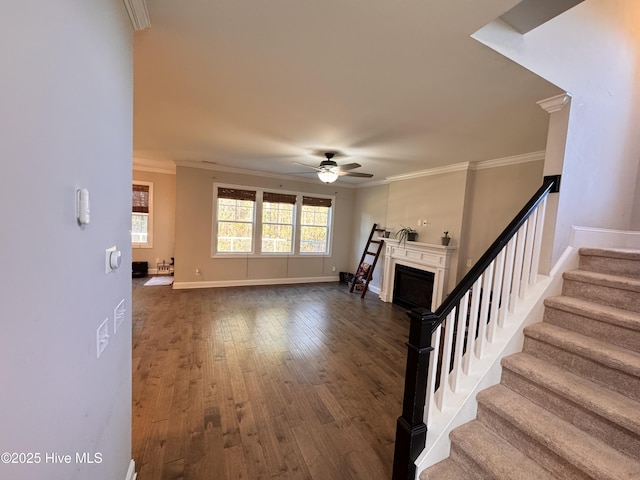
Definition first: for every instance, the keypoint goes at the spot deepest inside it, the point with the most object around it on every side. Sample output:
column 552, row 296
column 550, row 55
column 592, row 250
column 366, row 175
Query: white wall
column 65, row 123
column 593, row 52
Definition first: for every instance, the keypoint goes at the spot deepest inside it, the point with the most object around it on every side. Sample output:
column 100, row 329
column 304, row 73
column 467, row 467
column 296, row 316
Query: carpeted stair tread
column 447, row 469
column 617, row 253
column 624, row 262
column 490, row 456
column 618, row 326
column 601, row 352
column 596, row 311
column 604, row 280
column 606, row 403
column 568, row 405
column 568, row 447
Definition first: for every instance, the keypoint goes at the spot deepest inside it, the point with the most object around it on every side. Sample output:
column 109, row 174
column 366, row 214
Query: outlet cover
column 102, row 337
column 118, row 316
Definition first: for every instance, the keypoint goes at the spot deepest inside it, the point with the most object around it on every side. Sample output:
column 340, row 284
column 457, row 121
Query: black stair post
column 411, row 432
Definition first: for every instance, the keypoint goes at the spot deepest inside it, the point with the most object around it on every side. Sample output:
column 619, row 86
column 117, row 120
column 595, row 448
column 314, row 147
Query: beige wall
column 495, row 196
column 438, row 199
column 194, row 221
column 164, row 215
column 371, row 205
column 473, row 205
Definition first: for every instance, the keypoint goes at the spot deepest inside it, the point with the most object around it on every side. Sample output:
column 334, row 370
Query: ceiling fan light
column 328, row 176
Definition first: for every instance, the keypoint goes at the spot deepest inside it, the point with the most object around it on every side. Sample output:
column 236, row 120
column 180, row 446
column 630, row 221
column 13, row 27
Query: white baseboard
column 131, row 472
column 374, row 289
column 253, row 282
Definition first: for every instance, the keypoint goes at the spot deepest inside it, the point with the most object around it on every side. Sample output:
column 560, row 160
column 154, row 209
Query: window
column 314, row 225
column 253, row 221
column 141, row 214
column 235, row 217
column 278, row 213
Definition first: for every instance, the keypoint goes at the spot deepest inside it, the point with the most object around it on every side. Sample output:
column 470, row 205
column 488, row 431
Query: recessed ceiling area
column 529, row 14
column 397, row 87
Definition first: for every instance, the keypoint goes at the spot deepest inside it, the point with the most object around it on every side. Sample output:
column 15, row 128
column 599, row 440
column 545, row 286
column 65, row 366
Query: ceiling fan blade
column 349, row 166
column 355, row 174
column 308, row 166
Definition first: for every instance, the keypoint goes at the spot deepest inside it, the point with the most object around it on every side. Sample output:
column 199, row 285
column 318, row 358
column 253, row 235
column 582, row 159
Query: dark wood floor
column 286, row 382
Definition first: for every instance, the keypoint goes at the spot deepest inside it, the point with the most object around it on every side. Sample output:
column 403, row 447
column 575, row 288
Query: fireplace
column 426, row 258
column 412, row 287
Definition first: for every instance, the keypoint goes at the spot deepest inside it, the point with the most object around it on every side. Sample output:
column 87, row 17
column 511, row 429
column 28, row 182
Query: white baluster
column 485, row 294
column 461, row 328
column 508, row 277
column 517, row 267
column 496, row 296
column 444, row 389
column 472, row 327
column 430, row 406
column 528, row 252
column 538, row 241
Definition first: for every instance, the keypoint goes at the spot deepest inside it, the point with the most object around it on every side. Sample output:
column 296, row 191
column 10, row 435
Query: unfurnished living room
column 320, row 240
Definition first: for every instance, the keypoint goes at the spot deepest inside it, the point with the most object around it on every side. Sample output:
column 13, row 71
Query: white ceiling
column 397, row 86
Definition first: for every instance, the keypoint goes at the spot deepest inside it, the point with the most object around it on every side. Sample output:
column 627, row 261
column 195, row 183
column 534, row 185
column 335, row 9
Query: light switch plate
column 118, row 316
column 102, row 337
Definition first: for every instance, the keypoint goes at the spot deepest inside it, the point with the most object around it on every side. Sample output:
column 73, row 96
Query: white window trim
column 149, row 242
column 257, row 224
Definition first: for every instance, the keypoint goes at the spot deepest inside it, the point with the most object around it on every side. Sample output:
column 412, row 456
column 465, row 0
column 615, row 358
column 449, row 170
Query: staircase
column 568, row 406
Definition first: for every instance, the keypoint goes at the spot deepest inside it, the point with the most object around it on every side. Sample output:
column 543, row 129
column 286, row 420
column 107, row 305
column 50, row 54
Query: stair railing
column 444, row 345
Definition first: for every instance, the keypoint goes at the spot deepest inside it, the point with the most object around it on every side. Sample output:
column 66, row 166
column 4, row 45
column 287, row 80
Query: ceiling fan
column 328, row 171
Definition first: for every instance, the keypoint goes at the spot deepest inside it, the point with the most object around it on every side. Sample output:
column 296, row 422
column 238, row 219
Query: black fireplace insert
column 412, row 287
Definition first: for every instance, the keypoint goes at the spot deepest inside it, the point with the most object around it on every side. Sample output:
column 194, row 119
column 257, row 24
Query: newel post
column 411, row 431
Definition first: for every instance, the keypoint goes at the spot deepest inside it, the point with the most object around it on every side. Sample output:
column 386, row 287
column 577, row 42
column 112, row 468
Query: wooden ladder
column 364, row 272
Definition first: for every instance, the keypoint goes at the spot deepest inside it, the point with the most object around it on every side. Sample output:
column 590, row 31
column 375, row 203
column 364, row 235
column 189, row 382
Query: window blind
column 278, row 198
column 237, row 194
column 140, row 199
column 316, row 202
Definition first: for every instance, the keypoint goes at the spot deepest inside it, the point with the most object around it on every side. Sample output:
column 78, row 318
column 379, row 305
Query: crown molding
column 457, row 167
column 506, row 161
column 138, row 13
column 375, row 183
column 555, row 104
column 155, row 166
column 481, row 165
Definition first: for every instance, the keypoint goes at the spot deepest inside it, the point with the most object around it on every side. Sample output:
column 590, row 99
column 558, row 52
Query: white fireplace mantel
column 423, row 256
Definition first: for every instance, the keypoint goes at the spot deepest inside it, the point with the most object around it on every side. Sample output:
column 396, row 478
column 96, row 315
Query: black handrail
column 411, row 431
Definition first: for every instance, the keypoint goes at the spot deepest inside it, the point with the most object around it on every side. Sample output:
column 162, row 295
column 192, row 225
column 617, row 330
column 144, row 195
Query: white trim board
column 253, row 282
column 603, row 238
column 131, row 472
